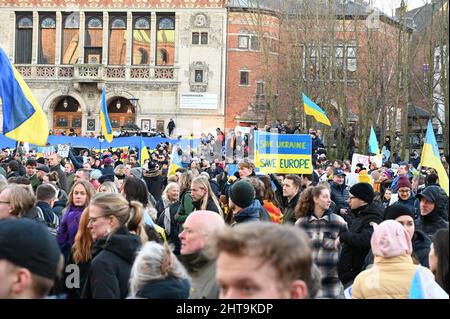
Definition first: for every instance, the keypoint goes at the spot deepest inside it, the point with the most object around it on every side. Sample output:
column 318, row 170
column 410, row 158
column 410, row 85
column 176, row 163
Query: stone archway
column 67, row 114
column 121, row 112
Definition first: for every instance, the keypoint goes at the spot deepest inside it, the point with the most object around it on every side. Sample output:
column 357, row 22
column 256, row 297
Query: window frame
column 241, row 73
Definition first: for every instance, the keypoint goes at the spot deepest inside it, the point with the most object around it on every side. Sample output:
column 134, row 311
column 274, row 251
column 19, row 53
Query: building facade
column 158, row 59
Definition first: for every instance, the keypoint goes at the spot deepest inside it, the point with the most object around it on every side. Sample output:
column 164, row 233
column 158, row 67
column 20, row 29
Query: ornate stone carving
column 163, row 73
column 65, row 72
column 200, row 20
column 198, row 75
column 115, row 72
column 140, row 73
column 24, row 70
column 45, row 71
column 88, row 71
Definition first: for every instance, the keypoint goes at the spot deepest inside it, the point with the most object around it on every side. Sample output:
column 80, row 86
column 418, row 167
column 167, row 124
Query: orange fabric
column 274, row 212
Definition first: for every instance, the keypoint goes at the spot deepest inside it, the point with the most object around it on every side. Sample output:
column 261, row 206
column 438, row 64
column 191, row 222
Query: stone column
column 58, row 37
column 12, row 42
column 129, row 36
column 153, row 39
column 105, row 38
column 177, row 36
column 81, row 37
column 35, row 45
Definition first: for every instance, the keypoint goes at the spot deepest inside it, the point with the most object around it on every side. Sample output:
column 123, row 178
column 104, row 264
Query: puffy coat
column 167, row 288
column 110, row 268
column 356, row 241
column 389, row 278
column 339, row 195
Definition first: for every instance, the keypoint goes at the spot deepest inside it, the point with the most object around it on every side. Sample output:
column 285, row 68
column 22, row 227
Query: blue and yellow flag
column 23, row 117
column 431, row 158
column 104, row 117
column 176, row 160
column 373, row 142
column 143, row 154
column 313, row 109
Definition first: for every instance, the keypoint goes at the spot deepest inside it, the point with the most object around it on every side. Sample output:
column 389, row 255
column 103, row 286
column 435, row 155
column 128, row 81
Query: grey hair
column 154, row 262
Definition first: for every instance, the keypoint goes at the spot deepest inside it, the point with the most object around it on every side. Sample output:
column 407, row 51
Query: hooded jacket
column 434, row 221
column 356, row 241
column 110, row 268
column 254, row 212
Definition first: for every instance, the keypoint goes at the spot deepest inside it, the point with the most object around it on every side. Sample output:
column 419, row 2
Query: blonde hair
column 167, row 189
column 129, row 214
column 110, row 187
column 154, row 262
column 203, row 183
column 21, row 199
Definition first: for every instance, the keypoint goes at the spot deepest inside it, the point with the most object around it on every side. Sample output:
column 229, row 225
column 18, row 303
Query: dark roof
column 417, row 112
column 420, row 18
column 321, row 7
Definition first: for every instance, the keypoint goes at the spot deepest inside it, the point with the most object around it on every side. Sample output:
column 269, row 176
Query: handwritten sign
column 283, row 153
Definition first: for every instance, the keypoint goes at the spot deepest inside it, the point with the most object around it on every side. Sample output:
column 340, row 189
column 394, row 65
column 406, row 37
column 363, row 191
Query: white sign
column 63, row 150
column 47, row 151
column 198, row 101
column 365, row 161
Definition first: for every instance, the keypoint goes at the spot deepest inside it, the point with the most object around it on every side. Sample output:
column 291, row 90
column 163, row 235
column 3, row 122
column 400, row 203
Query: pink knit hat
column 390, row 239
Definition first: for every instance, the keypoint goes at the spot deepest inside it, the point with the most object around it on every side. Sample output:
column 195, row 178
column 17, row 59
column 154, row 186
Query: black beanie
column 363, row 191
column 242, row 193
column 397, row 210
column 19, row 246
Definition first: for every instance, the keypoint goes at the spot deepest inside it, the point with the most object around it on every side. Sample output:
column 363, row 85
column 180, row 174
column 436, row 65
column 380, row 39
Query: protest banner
column 365, row 160
column 283, row 153
column 63, row 150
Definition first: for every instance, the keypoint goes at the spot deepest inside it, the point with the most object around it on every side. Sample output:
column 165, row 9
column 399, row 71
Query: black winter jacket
column 339, row 195
column 356, row 241
column 110, row 268
column 438, row 218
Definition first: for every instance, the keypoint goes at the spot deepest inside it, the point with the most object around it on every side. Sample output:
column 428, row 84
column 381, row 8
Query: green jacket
column 185, row 209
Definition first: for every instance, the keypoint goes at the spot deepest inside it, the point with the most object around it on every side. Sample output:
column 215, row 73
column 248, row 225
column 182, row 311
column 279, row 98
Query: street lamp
column 65, row 104
column 134, row 103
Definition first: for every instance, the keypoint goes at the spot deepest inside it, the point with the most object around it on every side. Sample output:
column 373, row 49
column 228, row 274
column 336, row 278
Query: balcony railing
column 96, row 73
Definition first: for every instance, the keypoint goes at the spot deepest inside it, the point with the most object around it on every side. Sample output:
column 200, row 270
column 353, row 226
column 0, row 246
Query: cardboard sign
column 283, row 153
column 63, row 150
column 365, row 160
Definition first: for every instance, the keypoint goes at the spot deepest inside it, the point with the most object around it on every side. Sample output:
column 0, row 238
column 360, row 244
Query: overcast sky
column 388, row 6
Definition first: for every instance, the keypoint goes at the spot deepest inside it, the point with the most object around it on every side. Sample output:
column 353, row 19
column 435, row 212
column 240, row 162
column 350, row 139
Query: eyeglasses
column 92, row 220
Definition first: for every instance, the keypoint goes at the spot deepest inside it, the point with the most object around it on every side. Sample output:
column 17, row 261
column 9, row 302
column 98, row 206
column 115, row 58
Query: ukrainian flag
column 104, row 117
column 313, row 109
column 175, row 162
column 143, row 152
column 23, row 118
column 373, row 142
column 431, row 158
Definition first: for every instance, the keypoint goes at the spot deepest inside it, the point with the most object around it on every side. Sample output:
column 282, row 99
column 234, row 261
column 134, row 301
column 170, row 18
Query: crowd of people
column 144, row 231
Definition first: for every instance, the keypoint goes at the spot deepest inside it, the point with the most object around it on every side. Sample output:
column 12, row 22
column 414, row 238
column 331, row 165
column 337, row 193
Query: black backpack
column 53, row 225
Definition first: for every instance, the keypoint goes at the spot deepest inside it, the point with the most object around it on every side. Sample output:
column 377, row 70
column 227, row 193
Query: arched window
column 47, row 40
column 24, row 39
column 70, row 38
column 25, row 23
column 94, row 23
column 141, row 40
column 166, row 24
column 165, row 41
column 142, row 24
column 118, row 42
column 72, row 21
column 48, row 23
column 93, row 40
column 118, row 23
